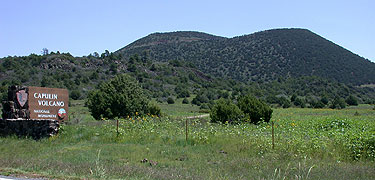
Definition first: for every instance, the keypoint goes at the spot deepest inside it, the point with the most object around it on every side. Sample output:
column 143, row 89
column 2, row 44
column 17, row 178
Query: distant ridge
column 263, row 56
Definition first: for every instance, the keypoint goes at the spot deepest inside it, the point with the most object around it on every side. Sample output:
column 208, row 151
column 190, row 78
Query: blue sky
column 82, row 27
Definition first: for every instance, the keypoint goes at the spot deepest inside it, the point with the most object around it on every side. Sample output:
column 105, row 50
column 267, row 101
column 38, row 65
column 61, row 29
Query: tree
column 75, row 94
column 184, row 93
column 96, row 54
column 255, row 109
column 338, row 103
column 45, row 51
column 185, row 101
column 170, row 100
column 293, row 98
column 225, row 111
column 299, row 102
column 324, row 100
column 120, row 97
column 351, row 100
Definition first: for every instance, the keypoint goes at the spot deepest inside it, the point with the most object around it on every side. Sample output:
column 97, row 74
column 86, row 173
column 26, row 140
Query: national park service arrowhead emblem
column 61, row 113
column 21, row 97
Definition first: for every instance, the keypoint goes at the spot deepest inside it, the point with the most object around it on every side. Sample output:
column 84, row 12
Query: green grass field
column 309, row 144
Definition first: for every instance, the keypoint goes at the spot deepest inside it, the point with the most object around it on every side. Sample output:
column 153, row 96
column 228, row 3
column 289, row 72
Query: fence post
column 273, row 136
column 117, row 126
column 186, row 129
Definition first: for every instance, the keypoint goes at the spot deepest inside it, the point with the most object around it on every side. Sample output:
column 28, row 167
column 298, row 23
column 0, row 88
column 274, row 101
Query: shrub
column 352, row 101
column 204, row 106
column 185, row 101
column 75, row 94
column 196, row 102
column 225, row 111
column 183, row 94
column 256, row 109
column 338, row 103
column 324, row 100
column 299, row 102
column 154, row 109
column 199, row 99
column 317, row 104
column 119, row 97
column 170, row 100
column 284, row 102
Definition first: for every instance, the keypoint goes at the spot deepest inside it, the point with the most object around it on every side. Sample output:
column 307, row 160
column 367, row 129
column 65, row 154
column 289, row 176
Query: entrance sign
column 48, row 103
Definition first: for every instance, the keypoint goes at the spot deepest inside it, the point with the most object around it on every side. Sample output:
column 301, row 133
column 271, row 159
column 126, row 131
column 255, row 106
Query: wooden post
column 117, row 126
column 273, row 136
column 186, row 130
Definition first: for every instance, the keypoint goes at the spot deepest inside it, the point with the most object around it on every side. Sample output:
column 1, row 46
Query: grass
column 178, row 110
column 310, row 144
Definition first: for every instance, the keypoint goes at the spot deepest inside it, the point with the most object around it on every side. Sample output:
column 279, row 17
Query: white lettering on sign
column 41, row 111
column 45, row 96
column 46, row 116
column 51, row 103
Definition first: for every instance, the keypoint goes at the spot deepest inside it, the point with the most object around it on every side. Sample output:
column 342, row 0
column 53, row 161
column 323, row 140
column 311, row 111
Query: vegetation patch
column 309, row 143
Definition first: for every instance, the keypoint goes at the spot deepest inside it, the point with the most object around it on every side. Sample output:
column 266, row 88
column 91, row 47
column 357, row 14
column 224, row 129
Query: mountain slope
column 265, row 56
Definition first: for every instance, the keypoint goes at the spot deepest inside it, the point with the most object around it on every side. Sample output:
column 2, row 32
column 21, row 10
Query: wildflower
column 136, row 113
column 293, row 124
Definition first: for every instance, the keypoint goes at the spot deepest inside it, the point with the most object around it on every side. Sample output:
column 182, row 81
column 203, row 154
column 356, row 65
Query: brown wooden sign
column 48, row 103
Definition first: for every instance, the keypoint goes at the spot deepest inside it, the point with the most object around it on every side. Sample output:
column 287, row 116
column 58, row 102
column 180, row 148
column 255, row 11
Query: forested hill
column 262, row 56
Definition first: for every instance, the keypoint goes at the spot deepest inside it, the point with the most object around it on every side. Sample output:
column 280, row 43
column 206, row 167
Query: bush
column 119, row 97
column 317, row 104
column 183, row 94
column 352, row 101
column 154, row 109
column 204, row 106
column 75, row 94
column 255, row 109
column 338, row 103
column 299, row 102
column 170, row 100
column 284, row 102
column 185, row 101
column 324, row 100
column 199, row 99
column 225, row 111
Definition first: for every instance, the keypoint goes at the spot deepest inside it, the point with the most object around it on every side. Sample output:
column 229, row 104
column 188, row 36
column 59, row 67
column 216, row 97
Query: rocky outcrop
column 35, row 129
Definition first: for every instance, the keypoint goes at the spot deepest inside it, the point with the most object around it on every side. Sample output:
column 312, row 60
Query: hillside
column 181, row 64
column 161, row 80
column 262, row 56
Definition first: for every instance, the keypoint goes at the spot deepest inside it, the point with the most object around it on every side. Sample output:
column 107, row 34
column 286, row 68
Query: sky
column 81, row 27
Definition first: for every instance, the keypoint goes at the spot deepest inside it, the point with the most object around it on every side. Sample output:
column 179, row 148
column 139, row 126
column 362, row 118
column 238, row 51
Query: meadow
column 309, row 144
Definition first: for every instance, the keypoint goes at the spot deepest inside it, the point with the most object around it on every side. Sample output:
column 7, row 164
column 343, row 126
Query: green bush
column 75, row 94
column 185, row 101
column 338, row 103
column 317, row 104
column 170, row 100
column 154, row 109
column 352, row 101
column 299, row 102
column 120, row 97
column 255, row 109
column 225, row 111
